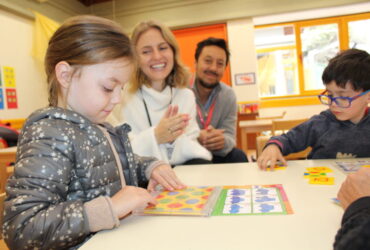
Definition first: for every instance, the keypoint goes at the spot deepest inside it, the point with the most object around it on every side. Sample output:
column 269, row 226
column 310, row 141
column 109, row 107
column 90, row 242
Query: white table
column 313, row 225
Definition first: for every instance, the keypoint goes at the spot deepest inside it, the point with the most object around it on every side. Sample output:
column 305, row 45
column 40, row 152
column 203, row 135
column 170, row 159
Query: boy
column 343, row 130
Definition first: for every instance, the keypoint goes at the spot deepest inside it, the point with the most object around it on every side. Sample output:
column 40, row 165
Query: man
column 354, row 196
column 216, row 102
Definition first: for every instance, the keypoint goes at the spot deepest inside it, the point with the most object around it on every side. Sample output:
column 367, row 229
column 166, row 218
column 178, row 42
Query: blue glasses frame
column 334, row 99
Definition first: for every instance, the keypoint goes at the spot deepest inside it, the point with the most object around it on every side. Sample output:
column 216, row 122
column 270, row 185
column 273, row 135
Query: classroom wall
column 15, row 51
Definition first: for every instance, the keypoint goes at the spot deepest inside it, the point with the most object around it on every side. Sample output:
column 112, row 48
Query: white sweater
column 143, row 140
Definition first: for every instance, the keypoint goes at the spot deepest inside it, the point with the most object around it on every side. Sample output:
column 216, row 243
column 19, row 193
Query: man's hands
column 356, row 186
column 212, row 139
column 171, row 126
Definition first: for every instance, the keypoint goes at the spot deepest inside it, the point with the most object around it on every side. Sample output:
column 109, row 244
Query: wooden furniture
column 313, row 225
column 14, row 123
column 281, row 126
column 252, row 127
column 250, row 137
column 7, row 155
column 272, row 117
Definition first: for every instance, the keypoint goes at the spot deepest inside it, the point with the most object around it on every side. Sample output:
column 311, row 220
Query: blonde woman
column 159, row 107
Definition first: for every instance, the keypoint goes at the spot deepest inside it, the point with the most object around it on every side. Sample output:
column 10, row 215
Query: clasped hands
column 171, row 126
column 211, row 138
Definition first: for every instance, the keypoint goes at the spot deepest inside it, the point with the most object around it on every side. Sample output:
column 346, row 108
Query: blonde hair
column 84, row 40
column 179, row 75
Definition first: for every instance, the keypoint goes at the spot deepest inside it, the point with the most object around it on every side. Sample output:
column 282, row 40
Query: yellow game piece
column 366, row 166
column 322, row 180
column 277, row 167
column 320, row 169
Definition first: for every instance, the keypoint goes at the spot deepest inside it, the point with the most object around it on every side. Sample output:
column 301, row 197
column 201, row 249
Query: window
column 292, row 56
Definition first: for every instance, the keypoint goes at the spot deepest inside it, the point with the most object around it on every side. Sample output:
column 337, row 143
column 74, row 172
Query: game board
column 352, row 166
column 252, row 200
column 194, row 200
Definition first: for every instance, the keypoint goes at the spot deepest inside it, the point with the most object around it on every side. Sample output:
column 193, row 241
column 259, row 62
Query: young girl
column 159, row 107
column 73, row 175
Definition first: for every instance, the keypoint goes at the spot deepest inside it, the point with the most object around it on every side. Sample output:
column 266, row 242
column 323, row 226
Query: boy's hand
column 166, row 177
column 270, row 155
column 354, row 187
column 130, row 198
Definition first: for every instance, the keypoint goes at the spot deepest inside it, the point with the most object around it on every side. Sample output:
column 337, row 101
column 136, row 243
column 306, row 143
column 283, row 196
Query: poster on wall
column 11, row 98
column 8, row 92
column 1, row 99
column 245, row 78
column 9, row 77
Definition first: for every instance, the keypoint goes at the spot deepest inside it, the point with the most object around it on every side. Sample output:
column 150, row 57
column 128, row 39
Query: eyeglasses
column 340, row 101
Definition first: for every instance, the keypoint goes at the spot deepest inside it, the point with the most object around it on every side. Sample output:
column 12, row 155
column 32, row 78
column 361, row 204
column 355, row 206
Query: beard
column 208, row 85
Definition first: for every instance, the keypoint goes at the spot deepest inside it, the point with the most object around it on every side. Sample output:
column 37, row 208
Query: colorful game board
column 252, row 200
column 318, row 176
column 352, row 166
column 190, row 201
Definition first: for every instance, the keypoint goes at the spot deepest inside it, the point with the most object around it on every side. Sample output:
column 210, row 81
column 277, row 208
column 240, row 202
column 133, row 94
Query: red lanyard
column 209, row 117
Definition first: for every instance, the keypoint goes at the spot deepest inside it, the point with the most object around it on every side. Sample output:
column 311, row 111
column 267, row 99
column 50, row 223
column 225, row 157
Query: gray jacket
column 64, row 162
column 224, row 115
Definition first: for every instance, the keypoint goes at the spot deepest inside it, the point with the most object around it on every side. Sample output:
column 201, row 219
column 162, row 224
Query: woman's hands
column 166, row 177
column 171, row 126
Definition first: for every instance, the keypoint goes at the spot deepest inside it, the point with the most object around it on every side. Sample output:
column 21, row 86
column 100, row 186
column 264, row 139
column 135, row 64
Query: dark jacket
column 328, row 137
column 355, row 231
column 63, row 161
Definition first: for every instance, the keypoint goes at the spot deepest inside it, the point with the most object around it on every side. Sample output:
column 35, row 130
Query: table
column 253, row 126
column 313, row 225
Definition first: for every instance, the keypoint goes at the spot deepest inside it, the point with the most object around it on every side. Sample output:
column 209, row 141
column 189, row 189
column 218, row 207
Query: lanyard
column 209, row 117
column 146, row 107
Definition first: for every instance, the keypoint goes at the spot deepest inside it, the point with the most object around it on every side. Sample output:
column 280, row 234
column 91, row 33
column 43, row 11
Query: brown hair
column 179, row 76
column 84, row 40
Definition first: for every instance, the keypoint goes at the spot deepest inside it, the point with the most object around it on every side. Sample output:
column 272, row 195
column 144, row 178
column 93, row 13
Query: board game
column 352, row 166
column 194, row 200
column 252, row 200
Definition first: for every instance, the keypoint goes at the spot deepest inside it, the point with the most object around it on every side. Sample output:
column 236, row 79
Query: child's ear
column 63, row 73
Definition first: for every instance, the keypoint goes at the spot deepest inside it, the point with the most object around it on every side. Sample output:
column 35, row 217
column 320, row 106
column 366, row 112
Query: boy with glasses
column 343, row 130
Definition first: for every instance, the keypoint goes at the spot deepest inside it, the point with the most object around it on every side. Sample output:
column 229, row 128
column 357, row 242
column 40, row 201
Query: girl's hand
column 171, row 126
column 270, row 155
column 166, row 177
column 130, row 198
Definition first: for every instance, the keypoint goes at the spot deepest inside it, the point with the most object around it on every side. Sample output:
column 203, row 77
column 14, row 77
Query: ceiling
column 91, row 2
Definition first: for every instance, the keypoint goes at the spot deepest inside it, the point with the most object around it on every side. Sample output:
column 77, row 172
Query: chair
column 282, row 126
column 2, row 199
column 272, row 117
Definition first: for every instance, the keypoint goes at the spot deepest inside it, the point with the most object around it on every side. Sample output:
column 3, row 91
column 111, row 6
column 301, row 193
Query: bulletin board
column 8, row 91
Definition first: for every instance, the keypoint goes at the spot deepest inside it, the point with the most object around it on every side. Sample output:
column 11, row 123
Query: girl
column 75, row 176
column 159, row 107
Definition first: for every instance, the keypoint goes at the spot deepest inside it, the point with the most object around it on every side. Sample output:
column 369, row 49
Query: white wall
column 15, row 50
column 243, row 56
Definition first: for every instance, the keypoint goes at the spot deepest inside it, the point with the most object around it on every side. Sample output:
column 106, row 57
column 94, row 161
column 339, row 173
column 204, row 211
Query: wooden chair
column 281, row 116
column 283, row 126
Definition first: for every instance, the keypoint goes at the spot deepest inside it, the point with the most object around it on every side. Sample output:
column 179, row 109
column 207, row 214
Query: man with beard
column 216, row 102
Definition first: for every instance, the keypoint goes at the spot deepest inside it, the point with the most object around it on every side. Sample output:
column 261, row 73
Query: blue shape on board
column 192, row 201
column 238, row 192
column 234, row 209
column 264, row 199
column 262, row 191
column 265, row 208
column 236, row 199
column 186, row 209
column 173, row 193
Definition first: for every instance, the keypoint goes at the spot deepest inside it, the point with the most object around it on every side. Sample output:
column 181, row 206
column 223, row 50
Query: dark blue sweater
column 328, row 137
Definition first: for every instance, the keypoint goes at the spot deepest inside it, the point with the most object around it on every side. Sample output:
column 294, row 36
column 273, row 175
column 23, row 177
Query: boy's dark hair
column 349, row 66
column 211, row 41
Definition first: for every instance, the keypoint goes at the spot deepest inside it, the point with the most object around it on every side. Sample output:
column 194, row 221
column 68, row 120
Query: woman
column 158, row 105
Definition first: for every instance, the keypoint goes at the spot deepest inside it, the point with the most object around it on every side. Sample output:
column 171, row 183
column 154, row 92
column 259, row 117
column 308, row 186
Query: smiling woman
column 158, row 106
